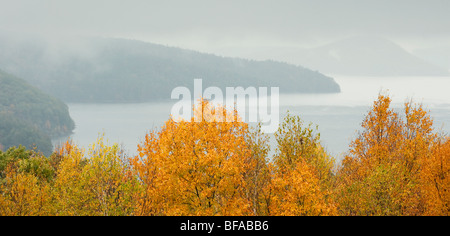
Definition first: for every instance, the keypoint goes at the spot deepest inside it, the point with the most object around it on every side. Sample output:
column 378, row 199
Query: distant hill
column 356, row 56
column 438, row 55
column 30, row 117
column 120, row 70
column 368, row 56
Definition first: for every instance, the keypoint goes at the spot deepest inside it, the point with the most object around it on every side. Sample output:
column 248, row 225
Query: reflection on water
column 338, row 115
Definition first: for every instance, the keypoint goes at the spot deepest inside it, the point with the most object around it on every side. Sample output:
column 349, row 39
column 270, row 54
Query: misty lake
column 338, row 116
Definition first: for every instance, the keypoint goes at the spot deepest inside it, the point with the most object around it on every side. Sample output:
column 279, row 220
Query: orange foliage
column 23, row 195
column 435, row 180
column 195, row 168
column 386, row 166
column 398, row 165
column 297, row 192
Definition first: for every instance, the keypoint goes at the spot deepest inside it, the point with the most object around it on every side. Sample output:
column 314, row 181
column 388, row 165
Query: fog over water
column 338, row 116
column 383, row 39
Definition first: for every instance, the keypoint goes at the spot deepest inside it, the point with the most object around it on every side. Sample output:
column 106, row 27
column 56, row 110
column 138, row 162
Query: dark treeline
column 30, row 117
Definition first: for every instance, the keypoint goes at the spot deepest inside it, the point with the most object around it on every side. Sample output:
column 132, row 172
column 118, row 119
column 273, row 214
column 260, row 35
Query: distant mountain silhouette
column 369, row 56
column 438, row 55
column 120, row 70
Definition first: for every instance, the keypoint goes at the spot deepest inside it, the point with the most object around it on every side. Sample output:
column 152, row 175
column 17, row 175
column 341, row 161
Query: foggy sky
column 212, row 22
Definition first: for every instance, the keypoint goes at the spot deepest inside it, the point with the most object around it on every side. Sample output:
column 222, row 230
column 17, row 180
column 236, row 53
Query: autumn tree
column 214, row 164
column 258, row 173
column 435, row 179
column 25, row 177
column 96, row 183
column 382, row 171
column 12, row 155
column 196, row 167
column 302, row 175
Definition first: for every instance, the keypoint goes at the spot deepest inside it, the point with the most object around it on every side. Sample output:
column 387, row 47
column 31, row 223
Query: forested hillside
column 120, row 70
column 30, row 117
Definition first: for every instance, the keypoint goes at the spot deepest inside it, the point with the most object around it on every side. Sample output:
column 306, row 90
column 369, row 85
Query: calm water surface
column 339, row 116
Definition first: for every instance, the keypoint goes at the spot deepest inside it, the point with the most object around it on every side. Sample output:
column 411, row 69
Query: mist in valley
column 115, row 63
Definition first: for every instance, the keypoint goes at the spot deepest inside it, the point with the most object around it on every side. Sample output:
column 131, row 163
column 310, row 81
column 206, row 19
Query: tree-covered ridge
column 30, row 117
column 14, row 132
column 120, row 70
